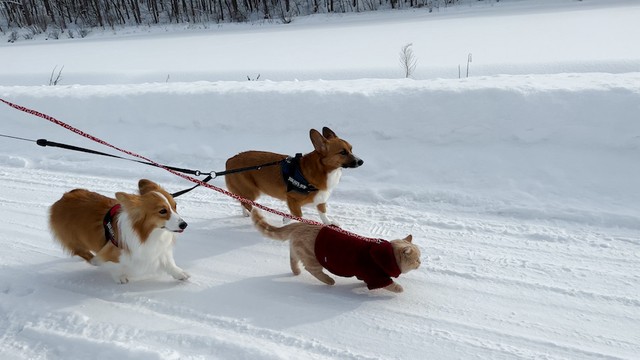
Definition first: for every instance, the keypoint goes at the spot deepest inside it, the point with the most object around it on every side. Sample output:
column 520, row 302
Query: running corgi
column 129, row 235
column 300, row 180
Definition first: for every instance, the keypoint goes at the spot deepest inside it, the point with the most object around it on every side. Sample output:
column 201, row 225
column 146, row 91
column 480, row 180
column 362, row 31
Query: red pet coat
column 370, row 261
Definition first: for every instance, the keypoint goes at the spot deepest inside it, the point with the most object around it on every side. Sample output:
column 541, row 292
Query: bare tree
column 408, row 60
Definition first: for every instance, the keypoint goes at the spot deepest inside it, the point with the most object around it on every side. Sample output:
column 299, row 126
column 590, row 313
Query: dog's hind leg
column 85, row 254
column 295, row 209
column 241, row 186
column 246, row 209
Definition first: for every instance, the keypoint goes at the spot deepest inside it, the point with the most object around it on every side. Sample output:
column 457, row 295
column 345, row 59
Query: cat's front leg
column 316, row 271
column 394, row 287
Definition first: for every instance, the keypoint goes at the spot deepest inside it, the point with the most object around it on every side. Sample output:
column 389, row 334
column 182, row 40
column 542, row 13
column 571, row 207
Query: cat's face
column 407, row 254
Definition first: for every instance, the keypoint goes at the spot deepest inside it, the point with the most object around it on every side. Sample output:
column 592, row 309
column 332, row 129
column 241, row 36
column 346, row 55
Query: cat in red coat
column 374, row 261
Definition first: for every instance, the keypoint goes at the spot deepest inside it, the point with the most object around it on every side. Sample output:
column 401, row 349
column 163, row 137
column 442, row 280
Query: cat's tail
column 277, row 233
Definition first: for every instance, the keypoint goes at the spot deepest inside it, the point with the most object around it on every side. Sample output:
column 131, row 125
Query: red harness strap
column 109, row 234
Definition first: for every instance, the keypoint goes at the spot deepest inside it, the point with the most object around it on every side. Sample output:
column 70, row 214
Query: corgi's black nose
column 182, row 225
column 353, row 164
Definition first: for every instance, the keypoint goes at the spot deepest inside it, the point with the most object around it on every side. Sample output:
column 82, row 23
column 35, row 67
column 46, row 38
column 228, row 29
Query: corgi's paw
column 183, row 276
column 180, row 274
column 121, row 279
column 327, row 221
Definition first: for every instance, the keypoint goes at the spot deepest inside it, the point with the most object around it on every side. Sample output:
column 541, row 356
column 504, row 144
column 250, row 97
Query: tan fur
column 303, row 236
column 330, row 153
column 76, row 220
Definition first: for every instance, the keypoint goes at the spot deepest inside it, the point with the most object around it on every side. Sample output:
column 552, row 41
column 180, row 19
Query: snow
column 518, row 183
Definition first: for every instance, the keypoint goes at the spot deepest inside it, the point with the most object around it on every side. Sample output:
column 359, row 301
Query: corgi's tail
column 277, row 233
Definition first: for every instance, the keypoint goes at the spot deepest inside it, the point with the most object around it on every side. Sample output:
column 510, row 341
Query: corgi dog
column 305, row 179
column 129, row 235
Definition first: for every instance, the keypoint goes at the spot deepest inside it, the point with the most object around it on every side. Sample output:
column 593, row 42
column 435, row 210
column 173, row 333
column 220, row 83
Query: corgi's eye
column 344, row 152
column 163, row 211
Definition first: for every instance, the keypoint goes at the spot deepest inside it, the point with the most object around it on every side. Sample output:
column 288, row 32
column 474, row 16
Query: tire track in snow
column 469, row 255
column 242, row 333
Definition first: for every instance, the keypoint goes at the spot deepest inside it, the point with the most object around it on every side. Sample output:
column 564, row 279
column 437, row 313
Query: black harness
column 109, row 234
column 292, row 175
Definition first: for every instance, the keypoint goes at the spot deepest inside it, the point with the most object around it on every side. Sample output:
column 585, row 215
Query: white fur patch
column 333, row 178
column 155, row 253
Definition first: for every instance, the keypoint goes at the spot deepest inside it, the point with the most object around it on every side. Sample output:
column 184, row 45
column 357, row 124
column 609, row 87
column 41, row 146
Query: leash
column 184, row 176
column 210, row 175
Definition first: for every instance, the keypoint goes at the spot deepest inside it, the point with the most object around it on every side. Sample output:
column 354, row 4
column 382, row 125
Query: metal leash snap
column 197, row 173
column 213, row 175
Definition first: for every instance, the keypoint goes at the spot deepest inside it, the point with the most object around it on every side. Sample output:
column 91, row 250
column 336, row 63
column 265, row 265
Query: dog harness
column 372, row 261
column 292, row 175
column 109, row 234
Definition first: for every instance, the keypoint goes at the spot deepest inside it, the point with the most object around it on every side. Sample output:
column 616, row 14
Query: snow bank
column 553, row 142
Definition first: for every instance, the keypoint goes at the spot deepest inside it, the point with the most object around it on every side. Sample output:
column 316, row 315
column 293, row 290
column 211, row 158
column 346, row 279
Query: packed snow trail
column 521, row 192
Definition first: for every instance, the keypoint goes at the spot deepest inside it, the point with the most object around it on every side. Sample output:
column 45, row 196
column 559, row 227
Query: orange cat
column 374, row 261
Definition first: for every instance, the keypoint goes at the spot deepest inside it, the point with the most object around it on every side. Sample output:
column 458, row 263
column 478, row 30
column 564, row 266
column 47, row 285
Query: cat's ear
column 408, row 250
column 409, row 238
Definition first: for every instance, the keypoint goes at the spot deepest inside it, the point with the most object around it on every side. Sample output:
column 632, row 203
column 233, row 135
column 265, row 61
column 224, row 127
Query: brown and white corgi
column 305, row 179
column 130, row 235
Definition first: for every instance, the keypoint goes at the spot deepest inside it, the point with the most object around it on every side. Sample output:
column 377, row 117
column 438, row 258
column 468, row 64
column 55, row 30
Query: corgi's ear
column 146, row 186
column 124, row 198
column 318, row 141
column 131, row 203
column 409, row 238
column 328, row 133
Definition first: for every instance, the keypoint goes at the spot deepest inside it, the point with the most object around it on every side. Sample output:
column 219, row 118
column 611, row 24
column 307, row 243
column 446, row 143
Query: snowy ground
column 520, row 189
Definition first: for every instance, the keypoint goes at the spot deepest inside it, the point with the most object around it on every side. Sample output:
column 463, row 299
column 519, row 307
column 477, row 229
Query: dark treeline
column 41, row 15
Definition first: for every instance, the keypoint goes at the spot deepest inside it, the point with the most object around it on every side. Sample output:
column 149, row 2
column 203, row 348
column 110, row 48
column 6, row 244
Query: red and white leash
column 187, row 177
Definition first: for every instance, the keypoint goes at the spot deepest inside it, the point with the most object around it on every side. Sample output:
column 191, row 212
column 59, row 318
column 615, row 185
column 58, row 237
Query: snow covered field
column 520, row 186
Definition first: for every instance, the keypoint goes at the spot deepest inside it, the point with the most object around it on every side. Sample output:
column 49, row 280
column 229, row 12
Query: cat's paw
column 394, row 287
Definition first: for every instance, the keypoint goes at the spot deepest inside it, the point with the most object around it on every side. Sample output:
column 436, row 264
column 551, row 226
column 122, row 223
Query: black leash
column 214, row 175
column 211, row 175
column 45, row 143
